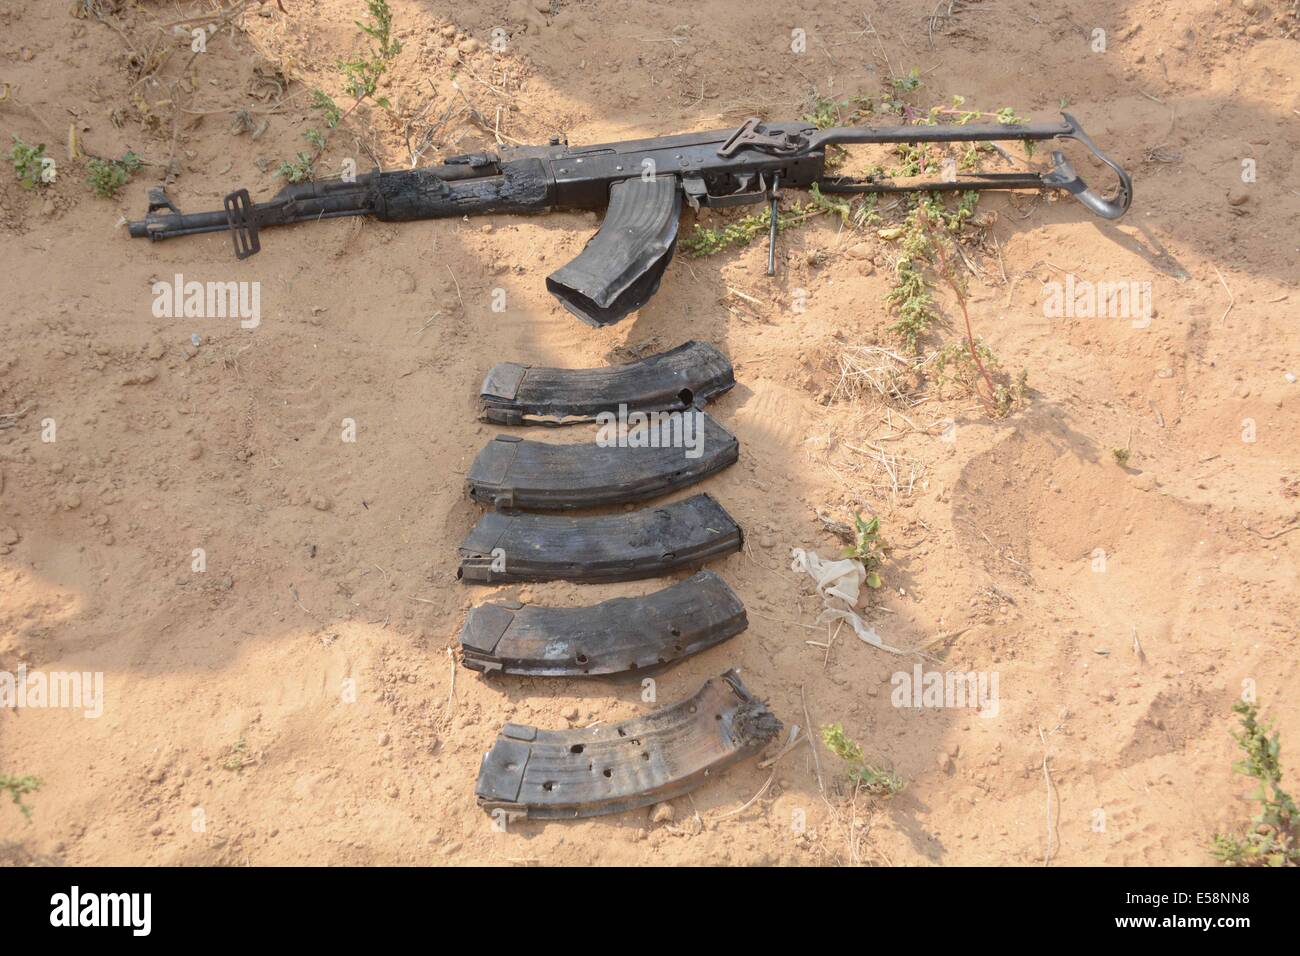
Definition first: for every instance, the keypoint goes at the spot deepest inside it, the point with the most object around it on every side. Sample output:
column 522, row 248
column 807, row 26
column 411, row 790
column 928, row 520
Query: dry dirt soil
column 1123, row 606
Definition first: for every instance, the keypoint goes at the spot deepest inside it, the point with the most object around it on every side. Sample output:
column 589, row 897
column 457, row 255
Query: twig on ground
column 1232, row 299
column 831, row 643
column 812, row 742
column 1047, row 779
column 1286, row 529
column 451, row 694
column 298, row 601
column 457, row 285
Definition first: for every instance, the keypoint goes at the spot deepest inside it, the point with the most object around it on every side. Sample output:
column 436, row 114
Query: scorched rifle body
column 641, row 184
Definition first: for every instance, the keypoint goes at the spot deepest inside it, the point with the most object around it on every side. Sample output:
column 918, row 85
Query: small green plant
column 911, row 294
column 1121, row 456
column 235, row 760
column 299, row 170
column 867, row 212
column 821, row 203
column 907, row 84
column 1006, row 397
column 29, row 164
column 869, row 548
column 997, row 394
column 1274, row 840
column 361, row 75
column 874, row 780
column 893, row 99
column 708, row 240
column 19, row 787
column 823, row 113
column 826, row 112
column 107, row 176
column 955, row 365
column 322, row 103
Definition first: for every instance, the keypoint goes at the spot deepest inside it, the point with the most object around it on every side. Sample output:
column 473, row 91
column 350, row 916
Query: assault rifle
column 641, row 183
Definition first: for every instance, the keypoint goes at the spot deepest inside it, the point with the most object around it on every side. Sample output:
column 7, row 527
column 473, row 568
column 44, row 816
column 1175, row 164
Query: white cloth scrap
column 839, row 583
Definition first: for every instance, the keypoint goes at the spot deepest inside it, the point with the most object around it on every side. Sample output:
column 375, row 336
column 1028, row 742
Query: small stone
column 321, row 503
column 662, row 813
column 1143, row 481
column 1238, row 196
column 384, row 738
column 8, row 535
column 71, row 501
column 469, row 46
column 141, row 378
column 570, row 714
column 194, row 451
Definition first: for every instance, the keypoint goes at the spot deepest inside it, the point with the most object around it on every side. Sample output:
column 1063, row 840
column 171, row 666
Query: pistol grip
column 620, row 267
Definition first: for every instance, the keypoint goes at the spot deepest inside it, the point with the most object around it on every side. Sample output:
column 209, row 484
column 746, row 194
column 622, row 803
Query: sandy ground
column 228, row 734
